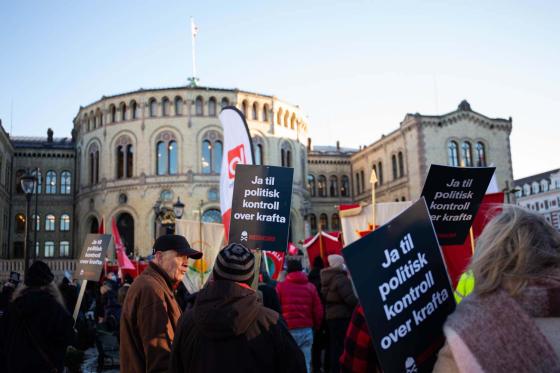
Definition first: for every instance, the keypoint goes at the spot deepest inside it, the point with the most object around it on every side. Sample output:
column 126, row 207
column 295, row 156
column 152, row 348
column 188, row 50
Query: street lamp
column 28, row 184
column 178, row 208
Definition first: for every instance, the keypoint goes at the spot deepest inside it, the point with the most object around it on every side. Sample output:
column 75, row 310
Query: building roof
column 537, row 177
column 331, row 150
column 38, row 142
column 463, row 106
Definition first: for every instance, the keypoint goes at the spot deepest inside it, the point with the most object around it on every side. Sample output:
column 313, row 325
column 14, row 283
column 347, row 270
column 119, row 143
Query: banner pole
column 321, row 251
column 373, row 180
column 258, row 256
column 79, row 302
column 472, row 239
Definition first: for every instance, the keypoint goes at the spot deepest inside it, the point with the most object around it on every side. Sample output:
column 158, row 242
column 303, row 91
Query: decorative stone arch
column 212, row 106
column 178, row 106
column 91, row 120
column 259, row 148
column 165, row 106
column 123, row 111
column 279, row 116
column 293, row 121
column 255, row 110
column 215, row 138
column 286, row 118
column 265, row 114
column 135, row 109
column 165, row 134
column 98, row 117
column 199, row 106
column 152, row 105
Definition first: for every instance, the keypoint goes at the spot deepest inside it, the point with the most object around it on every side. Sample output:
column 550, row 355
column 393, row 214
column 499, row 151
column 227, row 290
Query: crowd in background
column 307, row 321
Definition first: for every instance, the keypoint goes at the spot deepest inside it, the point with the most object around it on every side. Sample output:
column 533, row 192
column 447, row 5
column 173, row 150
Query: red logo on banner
column 235, row 156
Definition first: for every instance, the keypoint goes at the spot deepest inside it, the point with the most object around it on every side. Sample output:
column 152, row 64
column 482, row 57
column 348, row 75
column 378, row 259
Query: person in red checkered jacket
column 358, row 355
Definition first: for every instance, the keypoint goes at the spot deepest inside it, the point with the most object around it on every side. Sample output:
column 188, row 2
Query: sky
column 354, row 67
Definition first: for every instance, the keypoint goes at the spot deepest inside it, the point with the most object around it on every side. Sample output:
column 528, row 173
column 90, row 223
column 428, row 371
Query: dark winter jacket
column 49, row 328
column 301, row 306
column 149, row 318
column 229, row 330
column 338, row 293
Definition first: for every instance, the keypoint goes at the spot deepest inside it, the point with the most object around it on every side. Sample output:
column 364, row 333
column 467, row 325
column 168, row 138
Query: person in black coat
column 37, row 328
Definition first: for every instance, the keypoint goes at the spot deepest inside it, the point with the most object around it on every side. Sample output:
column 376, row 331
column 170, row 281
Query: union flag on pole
column 322, row 245
column 238, row 149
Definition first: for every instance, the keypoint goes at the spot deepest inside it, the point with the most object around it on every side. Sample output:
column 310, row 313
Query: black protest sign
column 403, row 286
column 453, row 196
column 92, row 257
column 260, row 208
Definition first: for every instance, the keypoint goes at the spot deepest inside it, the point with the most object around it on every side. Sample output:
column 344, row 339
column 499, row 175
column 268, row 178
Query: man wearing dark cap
column 229, row 330
column 150, row 312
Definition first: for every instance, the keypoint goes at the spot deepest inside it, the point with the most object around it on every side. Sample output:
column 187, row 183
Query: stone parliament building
column 128, row 151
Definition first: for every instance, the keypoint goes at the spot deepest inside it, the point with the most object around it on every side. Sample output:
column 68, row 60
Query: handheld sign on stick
column 453, row 196
column 402, row 283
column 260, row 211
column 91, row 263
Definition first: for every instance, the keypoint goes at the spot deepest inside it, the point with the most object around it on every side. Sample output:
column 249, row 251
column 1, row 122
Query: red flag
column 101, row 229
column 122, row 259
column 292, row 249
column 274, row 263
column 323, row 244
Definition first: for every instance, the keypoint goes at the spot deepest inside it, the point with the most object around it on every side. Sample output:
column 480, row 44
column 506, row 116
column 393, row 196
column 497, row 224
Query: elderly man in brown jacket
column 150, row 312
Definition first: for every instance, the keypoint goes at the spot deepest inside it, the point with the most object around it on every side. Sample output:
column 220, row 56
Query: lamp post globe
column 178, row 208
column 28, row 184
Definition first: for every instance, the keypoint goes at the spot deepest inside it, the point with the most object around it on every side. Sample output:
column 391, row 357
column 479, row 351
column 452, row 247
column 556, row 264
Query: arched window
column 380, row 173
column 49, row 249
column 362, row 180
column 125, row 157
column 165, row 107
column 166, row 154
column 50, row 223
column 65, row 182
column 64, row 223
column 20, row 223
column 401, row 164
column 212, row 216
column 311, row 188
column 265, row 113
column 178, row 106
column 544, row 186
column 113, row 111
column 480, row 155
column 198, row 106
column 279, row 117
column 286, row 118
column 99, row 117
column 50, row 181
column 286, row 155
column 453, row 154
column 64, row 249
column 466, row 149
column 39, row 184
column 259, row 154
column 293, row 122
column 93, row 163
column 224, row 102
column 245, row 108
column 322, row 186
column 395, row 169
column 125, row 226
column 255, row 112
column 93, row 225
column 212, row 107
column 134, row 110
column 335, row 222
column 526, row 190
column 345, row 186
column 535, row 187
column 358, row 184
column 153, row 107
column 333, row 186
column 123, row 111
column 324, row 222
column 313, row 223
column 211, row 152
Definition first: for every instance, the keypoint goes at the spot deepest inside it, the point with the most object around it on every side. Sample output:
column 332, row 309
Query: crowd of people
column 507, row 319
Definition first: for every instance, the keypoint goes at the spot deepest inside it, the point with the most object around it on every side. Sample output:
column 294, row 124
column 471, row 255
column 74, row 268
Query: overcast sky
column 355, row 67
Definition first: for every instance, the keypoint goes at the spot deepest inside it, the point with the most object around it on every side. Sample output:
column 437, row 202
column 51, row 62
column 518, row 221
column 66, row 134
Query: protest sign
column 402, row 284
column 260, row 211
column 453, row 195
column 92, row 257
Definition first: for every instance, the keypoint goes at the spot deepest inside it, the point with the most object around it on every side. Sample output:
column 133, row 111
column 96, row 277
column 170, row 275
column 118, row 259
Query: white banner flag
column 238, row 148
column 209, row 244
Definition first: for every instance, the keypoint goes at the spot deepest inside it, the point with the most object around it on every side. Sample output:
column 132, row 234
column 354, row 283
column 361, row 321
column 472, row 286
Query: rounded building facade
column 138, row 148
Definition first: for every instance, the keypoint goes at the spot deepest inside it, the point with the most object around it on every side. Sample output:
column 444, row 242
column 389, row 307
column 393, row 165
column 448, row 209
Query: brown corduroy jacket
column 149, row 317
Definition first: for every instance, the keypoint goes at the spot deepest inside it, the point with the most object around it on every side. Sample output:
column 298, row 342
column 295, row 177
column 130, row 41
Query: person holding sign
column 229, row 330
column 36, row 329
column 150, row 312
column 511, row 320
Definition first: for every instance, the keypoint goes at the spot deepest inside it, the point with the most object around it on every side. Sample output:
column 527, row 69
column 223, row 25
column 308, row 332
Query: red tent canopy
column 322, row 245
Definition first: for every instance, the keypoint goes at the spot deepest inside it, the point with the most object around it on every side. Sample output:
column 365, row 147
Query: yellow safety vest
column 464, row 287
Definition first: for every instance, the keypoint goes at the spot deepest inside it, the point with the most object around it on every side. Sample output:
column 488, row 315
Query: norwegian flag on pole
column 122, row 259
column 238, row 149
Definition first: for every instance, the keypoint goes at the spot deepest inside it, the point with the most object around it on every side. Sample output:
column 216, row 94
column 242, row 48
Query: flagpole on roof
column 194, row 31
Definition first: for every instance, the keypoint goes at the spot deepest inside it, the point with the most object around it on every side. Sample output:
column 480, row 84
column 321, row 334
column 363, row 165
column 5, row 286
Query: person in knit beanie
column 37, row 328
column 228, row 329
